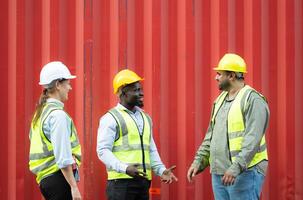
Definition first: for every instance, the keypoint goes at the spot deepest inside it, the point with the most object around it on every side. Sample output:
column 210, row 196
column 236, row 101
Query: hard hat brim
column 220, row 69
column 116, row 90
column 69, row 77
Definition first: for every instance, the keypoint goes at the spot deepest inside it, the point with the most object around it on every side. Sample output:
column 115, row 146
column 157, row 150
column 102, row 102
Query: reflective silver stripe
column 50, row 108
column 148, row 118
column 121, row 120
column 45, row 149
column 45, row 111
column 37, row 156
column 74, row 143
column 122, row 125
column 129, row 147
column 216, row 106
column 244, row 101
column 235, row 135
column 236, row 152
column 78, row 157
column 44, row 166
column 149, row 122
column 148, row 167
column 262, row 148
column 46, row 153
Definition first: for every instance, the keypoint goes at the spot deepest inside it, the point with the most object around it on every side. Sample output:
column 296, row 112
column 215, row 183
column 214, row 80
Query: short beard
column 224, row 86
column 140, row 104
column 137, row 103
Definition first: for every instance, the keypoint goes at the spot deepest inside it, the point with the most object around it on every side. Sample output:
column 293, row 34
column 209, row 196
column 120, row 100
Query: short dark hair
column 239, row 75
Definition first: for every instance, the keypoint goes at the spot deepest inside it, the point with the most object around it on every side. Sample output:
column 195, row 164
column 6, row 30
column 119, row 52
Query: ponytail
column 49, row 89
column 39, row 107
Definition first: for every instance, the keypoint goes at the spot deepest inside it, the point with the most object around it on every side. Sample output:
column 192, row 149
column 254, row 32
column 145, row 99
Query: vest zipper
column 143, row 155
column 142, row 146
column 141, row 140
column 227, row 132
column 229, row 153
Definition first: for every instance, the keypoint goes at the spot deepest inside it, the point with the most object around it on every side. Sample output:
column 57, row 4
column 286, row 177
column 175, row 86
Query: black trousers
column 55, row 187
column 128, row 189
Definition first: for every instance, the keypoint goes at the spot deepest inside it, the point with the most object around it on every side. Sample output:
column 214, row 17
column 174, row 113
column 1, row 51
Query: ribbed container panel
column 173, row 44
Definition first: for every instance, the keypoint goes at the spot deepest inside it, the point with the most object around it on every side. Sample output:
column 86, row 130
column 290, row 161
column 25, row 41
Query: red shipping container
column 173, row 44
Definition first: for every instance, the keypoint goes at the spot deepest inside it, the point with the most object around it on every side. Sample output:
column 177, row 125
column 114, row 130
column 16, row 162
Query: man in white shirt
column 125, row 143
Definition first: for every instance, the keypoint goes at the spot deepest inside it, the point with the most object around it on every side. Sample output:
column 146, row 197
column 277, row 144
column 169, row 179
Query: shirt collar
column 53, row 100
column 121, row 107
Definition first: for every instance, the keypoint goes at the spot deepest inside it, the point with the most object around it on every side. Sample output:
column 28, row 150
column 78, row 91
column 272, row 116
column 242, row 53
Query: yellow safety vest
column 130, row 147
column 236, row 124
column 41, row 159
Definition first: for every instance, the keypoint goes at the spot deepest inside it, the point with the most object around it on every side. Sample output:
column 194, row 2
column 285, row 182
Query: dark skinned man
column 125, row 143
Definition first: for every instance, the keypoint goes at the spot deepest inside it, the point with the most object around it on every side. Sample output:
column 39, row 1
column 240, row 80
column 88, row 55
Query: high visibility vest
column 236, row 124
column 41, row 159
column 130, row 147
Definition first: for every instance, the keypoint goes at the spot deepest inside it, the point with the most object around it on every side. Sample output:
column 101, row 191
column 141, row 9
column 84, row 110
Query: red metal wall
column 172, row 43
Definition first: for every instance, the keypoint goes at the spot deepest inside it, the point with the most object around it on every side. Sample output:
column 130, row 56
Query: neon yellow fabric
column 128, row 148
column 236, row 125
column 42, row 160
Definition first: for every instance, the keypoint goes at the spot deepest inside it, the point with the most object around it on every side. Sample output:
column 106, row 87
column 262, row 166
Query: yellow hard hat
column 125, row 77
column 231, row 62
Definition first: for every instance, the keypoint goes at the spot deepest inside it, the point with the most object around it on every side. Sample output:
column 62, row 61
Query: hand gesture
column 192, row 172
column 168, row 177
column 133, row 171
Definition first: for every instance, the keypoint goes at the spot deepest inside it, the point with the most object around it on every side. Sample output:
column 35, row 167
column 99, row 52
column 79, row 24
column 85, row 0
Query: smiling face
column 132, row 95
column 63, row 89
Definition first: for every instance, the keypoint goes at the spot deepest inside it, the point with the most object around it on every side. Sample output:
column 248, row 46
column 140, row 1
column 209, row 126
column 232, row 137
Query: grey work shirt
column 215, row 143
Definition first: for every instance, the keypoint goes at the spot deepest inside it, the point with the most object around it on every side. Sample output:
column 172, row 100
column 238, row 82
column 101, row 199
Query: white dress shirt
column 106, row 138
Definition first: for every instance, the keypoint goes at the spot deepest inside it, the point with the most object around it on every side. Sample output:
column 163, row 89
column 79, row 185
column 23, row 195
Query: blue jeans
column 247, row 186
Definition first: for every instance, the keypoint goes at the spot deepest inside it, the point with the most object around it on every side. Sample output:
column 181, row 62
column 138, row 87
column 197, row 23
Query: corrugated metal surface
column 172, row 43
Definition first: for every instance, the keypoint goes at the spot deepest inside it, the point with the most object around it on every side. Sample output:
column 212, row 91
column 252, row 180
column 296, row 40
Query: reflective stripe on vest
column 127, row 147
column 236, row 124
column 42, row 161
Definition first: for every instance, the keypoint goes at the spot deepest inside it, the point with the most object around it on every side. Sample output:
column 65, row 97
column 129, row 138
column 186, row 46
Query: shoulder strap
column 121, row 124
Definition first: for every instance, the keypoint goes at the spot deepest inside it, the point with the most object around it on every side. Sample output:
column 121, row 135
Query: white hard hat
column 53, row 71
